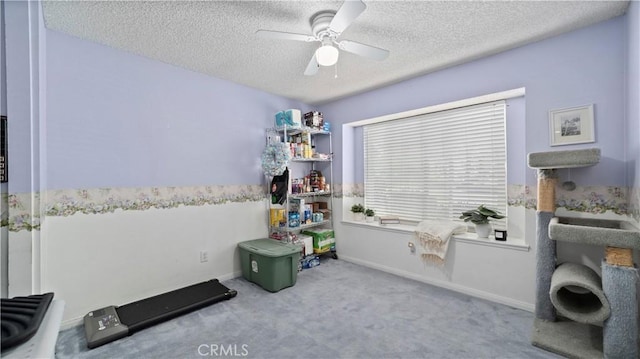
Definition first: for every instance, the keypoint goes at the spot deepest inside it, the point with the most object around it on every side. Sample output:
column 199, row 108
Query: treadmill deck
column 111, row 323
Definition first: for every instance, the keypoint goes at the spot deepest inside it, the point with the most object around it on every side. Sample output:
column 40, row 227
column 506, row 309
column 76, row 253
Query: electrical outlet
column 412, row 248
column 204, row 256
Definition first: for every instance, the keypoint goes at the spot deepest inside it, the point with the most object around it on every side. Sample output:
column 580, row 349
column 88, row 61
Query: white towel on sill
column 434, row 236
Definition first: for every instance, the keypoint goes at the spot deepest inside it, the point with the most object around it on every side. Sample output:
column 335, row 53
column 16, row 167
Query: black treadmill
column 107, row 324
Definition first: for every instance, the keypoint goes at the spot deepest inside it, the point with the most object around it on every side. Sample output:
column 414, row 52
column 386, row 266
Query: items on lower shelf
column 309, row 261
column 323, row 240
column 313, row 241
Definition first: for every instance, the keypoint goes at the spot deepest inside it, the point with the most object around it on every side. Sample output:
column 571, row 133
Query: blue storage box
column 292, row 118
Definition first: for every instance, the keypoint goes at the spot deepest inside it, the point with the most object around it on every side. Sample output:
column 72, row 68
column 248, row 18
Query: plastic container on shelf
column 271, row 264
column 294, row 219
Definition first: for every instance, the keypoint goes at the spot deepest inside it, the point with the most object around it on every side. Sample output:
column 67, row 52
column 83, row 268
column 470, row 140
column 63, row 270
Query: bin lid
column 270, row 247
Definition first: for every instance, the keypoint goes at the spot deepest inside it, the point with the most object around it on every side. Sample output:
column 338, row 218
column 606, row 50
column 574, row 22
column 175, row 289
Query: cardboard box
column 326, row 214
column 308, row 243
column 323, row 239
column 316, row 206
column 292, row 118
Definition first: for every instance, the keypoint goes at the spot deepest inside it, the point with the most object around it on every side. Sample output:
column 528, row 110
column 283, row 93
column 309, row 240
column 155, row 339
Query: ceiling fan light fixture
column 327, row 55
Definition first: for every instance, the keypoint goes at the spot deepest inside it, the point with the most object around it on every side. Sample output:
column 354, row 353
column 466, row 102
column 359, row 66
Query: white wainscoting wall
column 95, row 260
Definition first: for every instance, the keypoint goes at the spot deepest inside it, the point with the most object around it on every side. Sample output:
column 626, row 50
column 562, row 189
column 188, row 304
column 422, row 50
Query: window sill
column 511, row 243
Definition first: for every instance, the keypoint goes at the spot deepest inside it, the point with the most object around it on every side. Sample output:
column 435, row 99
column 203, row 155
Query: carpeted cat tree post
column 545, row 247
column 620, row 280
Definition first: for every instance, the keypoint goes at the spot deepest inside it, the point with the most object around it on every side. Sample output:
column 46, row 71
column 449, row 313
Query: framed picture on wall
column 572, row 125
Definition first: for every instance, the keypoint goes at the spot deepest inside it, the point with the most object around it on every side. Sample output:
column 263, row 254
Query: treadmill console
column 102, row 326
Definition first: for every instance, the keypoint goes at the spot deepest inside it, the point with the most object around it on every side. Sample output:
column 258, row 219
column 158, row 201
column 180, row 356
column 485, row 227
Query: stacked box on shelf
column 326, row 214
column 291, row 118
column 323, row 239
column 307, row 241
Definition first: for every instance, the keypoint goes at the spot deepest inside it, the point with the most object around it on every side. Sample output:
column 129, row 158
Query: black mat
column 21, row 318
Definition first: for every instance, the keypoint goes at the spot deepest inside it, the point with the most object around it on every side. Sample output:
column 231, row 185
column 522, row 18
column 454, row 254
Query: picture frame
column 573, row 125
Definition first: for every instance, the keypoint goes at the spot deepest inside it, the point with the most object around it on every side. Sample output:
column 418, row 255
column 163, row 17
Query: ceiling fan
column 326, row 27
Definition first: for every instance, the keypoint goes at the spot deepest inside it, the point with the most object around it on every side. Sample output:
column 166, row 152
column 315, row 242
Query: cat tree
column 578, row 314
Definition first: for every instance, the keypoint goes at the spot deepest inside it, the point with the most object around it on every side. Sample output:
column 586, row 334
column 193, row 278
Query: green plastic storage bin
column 271, row 264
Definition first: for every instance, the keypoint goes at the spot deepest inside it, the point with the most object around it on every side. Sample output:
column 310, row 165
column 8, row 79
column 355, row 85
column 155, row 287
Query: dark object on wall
column 279, row 187
column 111, row 323
column 21, row 318
column 4, row 150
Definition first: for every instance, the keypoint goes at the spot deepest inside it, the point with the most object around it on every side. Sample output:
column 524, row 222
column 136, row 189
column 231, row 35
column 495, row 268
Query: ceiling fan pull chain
column 335, row 76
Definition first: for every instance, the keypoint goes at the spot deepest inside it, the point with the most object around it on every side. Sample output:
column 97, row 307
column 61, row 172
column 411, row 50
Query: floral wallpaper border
column 108, row 200
column 634, row 205
column 590, row 199
column 350, row 190
column 19, row 215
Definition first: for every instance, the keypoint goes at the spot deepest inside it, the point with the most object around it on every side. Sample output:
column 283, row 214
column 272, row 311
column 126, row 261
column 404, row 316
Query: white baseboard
column 70, row 323
column 447, row 285
column 228, row 276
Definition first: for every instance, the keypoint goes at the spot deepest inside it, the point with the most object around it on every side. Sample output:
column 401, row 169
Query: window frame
column 413, row 148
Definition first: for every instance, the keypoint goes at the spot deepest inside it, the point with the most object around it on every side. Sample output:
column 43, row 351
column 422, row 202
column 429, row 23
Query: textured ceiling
column 218, row 37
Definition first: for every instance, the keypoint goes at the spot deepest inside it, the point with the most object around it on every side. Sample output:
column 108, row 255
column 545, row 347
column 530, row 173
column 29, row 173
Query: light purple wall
column 633, row 96
column 25, row 74
column 121, row 120
column 18, row 90
column 582, row 67
column 116, row 119
column 3, row 66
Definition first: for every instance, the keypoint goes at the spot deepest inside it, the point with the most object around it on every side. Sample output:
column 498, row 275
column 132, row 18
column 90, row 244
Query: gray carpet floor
column 336, row 310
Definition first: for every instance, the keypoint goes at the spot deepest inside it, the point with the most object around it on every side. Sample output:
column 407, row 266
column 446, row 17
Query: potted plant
column 358, row 212
column 369, row 214
column 480, row 218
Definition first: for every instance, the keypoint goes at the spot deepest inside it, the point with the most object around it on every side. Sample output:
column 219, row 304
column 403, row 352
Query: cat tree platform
column 564, row 159
column 619, row 234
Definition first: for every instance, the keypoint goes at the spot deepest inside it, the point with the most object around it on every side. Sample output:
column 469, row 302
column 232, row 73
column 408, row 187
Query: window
column 437, row 165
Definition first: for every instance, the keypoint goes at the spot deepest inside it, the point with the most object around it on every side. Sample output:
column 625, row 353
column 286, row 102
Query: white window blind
column 437, row 165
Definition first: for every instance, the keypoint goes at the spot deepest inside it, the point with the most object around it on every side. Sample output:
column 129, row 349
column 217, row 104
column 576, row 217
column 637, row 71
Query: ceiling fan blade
column 348, row 12
column 268, row 34
column 312, row 67
column 368, row 51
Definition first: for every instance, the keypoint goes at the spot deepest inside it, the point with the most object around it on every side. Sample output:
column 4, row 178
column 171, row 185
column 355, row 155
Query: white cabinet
column 309, row 200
